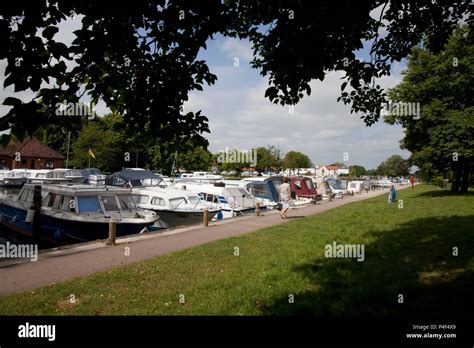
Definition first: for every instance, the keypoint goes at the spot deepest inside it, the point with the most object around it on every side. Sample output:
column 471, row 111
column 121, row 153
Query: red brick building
column 30, row 153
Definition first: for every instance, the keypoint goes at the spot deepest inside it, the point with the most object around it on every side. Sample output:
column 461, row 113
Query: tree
column 394, row 166
column 268, row 158
column 195, row 159
column 104, row 143
column 142, row 60
column 371, row 172
column 295, row 159
column 441, row 137
column 356, row 170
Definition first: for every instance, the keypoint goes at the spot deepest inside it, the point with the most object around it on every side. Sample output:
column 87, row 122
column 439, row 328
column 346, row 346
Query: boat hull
column 171, row 218
column 62, row 231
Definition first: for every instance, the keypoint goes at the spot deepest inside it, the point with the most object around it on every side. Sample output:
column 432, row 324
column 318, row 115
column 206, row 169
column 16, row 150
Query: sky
column 241, row 118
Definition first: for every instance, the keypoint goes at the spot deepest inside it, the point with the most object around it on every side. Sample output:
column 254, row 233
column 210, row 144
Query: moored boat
column 75, row 213
column 176, row 207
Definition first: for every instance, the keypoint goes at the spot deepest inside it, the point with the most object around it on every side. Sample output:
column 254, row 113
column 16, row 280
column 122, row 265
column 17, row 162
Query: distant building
column 322, row 171
column 342, row 171
column 31, row 154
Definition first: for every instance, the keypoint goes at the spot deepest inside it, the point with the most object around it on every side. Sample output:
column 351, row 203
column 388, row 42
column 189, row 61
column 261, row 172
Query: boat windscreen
column 259, row 190
column 88, row 204
column 126, row 202
column 237, row 192
column 309, row 183
column 110, row 203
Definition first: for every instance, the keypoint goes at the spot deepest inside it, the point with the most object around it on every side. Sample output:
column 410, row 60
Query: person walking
column 285, row 197
column 392, row 195
column 412, row 181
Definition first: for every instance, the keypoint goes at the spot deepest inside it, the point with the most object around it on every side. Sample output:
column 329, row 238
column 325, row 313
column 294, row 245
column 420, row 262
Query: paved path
column 61, row 264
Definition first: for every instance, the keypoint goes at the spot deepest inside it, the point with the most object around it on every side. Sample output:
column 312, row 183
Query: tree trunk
column 465, row 177
column 457, row 175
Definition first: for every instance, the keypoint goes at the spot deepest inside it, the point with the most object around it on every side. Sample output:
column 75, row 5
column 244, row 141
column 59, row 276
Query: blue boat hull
column 60, row 231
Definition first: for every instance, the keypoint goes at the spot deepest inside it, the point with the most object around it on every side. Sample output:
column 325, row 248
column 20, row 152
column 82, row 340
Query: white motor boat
column 175, row 206
column 231, row 200
column 202, row 177
column 10, row 179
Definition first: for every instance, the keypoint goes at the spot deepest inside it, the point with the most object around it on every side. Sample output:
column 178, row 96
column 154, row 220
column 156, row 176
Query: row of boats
column 77, row 205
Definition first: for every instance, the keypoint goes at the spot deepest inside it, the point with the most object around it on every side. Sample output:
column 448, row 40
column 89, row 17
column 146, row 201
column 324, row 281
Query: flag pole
column 67, row 154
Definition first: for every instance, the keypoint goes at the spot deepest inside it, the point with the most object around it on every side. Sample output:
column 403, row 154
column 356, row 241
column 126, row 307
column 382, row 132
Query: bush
column 439, row 181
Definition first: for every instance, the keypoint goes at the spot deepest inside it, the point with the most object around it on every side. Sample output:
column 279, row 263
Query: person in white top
column 285, row 197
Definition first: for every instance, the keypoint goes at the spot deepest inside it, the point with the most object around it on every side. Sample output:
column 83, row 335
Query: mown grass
column 408, row 251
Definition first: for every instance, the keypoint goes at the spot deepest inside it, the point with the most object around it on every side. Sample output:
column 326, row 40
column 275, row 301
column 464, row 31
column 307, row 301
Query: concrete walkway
column 60, row 264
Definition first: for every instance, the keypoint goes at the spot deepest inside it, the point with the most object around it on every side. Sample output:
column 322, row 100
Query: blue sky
column 240, row 117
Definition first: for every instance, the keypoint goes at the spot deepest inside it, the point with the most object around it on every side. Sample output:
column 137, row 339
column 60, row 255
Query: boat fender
column 219, row 215
column 30, row 216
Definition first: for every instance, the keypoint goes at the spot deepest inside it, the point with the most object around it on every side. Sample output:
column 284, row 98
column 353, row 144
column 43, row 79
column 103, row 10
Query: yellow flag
column 91, row 153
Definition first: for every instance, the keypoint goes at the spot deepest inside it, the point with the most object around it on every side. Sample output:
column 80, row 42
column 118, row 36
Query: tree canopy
column 142, row 60
column 394, row 166
column 441, row 137
column 295, row 159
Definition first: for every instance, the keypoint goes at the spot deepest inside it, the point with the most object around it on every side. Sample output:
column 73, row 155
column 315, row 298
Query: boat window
column 310, row 184
column 57, row 202
column 140, row 199
column 158, row 201
column 209, row 197
column 116, row 181
column 259, row 190
column 48, row 200
column 40, row 175
column 353, row 185
column 298, row 184
column 126, row 202
column 88, row 204
column 110, row 203
column 68, row 204
column 179, row 201
column 29, row 196
column 193, row 199
column 23, row 195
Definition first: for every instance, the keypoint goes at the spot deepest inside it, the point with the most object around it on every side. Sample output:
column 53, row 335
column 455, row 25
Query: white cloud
column 240, row 117
column 235, row 48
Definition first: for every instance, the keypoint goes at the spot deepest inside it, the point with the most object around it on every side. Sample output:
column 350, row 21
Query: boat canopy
column 303, row 187
column 135, row 178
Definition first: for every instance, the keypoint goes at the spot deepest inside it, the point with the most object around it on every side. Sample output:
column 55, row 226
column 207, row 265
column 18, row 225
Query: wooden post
column 37, row 216
column 257, row 209
column 112, row 233
column 205, row 217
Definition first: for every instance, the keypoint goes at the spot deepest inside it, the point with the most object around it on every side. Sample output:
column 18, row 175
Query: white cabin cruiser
column 175, row 207
column 231, row 200
column 11, row 179
column 202, row 177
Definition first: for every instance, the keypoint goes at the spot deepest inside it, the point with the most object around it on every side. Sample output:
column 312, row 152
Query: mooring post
column 205, row 217
column 112, row 232
column 257, row 209
column 37, row 216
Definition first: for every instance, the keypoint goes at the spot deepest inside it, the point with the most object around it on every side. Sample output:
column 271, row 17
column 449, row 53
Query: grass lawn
column 408, row 251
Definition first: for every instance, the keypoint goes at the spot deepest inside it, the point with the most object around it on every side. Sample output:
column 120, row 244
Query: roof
column 30, row 147
column 135, row 174
column 332, row 167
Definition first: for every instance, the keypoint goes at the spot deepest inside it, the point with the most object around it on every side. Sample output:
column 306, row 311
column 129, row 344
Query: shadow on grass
column 415, row 260
column 444, row 193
